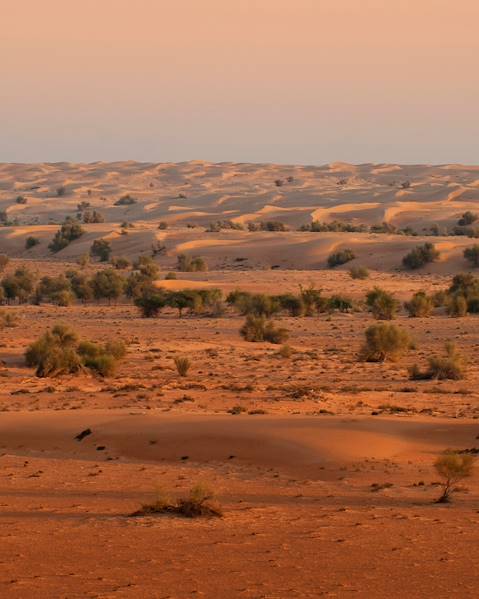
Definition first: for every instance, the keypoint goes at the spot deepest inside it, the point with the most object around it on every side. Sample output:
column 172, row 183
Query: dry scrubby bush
column 60, row 351
column 183, row 365
column 258, row 329
column 420, row 256
column 359, row 272
column 385, row 342
column 199, row 503
column 189, row 264
column 472, row 255
column 341, row 257
column 453, row 467
column 452, row 366
column 420, row 305
column 151, row 300
column 8, row 319
column 382, row 304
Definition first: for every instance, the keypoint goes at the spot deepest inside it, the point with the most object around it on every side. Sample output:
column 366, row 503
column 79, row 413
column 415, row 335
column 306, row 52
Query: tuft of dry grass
column 199, row 503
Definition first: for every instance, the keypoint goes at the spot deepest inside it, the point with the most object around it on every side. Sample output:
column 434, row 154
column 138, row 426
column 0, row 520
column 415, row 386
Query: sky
column 288, row 81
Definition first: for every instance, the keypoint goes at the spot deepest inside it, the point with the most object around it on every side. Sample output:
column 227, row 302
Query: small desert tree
column 101, row 248
column 452, row 467
column 385, row 342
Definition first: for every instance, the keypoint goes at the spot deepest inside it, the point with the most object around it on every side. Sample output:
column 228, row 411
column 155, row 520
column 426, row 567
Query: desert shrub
column 147, row 267
column 199, row 503
column 54, row 353
column 80, row 285
column 57, row 290
column 60, row 351
column 420, row 256
column 19, row 285
column 170, row 276
column 135, row 284
column 465, row 284
column 21, row 200
column 120, row 263
column 420, row 305
column 385, row 342
column 456, row 305
column 93, row 217
column 31, row 242
column 290, row 303
column 340, row 303
column 452, row 467
column 452, row 366
column 68, row 232
column 107, row 284
column 341, row 257
column 183, row 365
column 101, row 249
column 439, row 298
column 189, row 264
column 381, row 304
column 258, row 329
column 359, row 272
column 102, row 359
column 182, row 300
column 8, row 319
column 270, row 225
column 285, row 351
column 467, row 219
column 258, row 304
column 162, row 225
column 151, row 301
column 472, row 255
column 126, row 200
column 4, row 260
column 312, row 299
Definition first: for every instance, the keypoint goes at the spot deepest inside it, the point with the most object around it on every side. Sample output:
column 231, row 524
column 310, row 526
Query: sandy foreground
column 322, row 463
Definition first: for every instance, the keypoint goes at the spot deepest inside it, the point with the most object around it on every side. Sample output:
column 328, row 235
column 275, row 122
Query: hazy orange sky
column 296, row 81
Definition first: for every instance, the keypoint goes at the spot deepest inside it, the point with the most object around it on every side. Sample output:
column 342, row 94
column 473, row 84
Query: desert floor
column 322, row 463
column 325, row 476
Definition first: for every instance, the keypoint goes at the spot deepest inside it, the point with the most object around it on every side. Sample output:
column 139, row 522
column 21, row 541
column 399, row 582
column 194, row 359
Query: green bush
column 341, row 257
column 382, row 304
column 385, row 342
column 468, row 218
column 420, row 256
